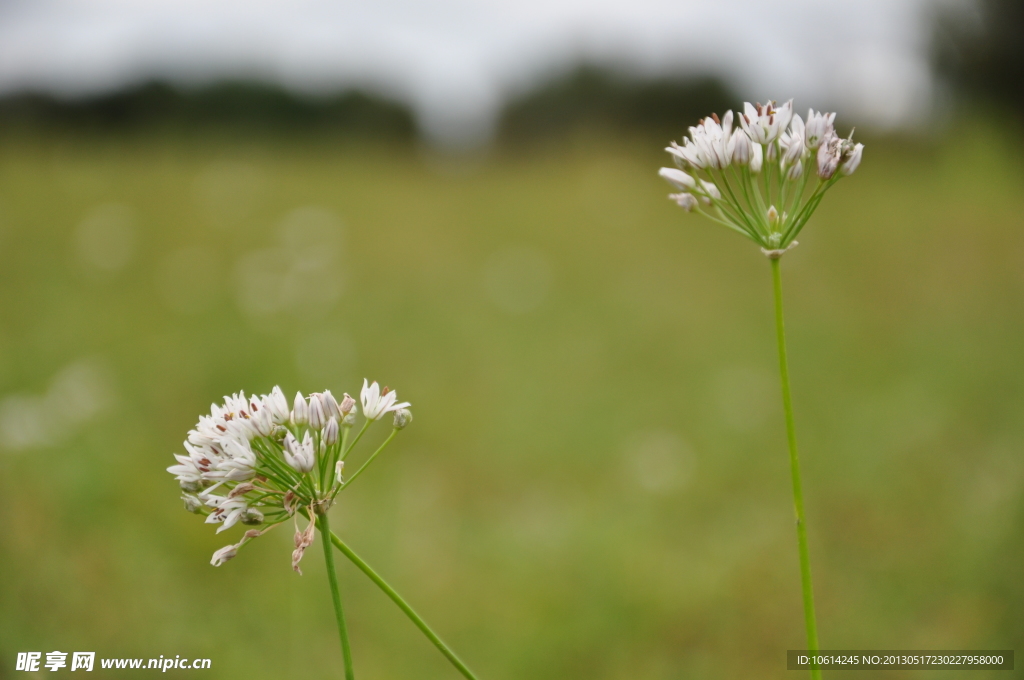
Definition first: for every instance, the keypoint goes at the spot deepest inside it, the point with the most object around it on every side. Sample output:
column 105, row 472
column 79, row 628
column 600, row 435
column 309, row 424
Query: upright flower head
column 740, row 174
column 378, row 402
column 256, row 462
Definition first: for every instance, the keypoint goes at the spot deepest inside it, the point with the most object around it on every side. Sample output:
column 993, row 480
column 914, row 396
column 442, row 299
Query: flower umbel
column 755, row 177
column 258, row 463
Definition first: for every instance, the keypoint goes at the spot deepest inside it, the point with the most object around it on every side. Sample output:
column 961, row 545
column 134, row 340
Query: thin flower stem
column 794, row 462
column 332, row 577
column 370, row 459
column 404, row 606
column 355, row 441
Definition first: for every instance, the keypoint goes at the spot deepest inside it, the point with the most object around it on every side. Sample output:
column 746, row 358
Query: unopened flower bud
column 403, row 417
column 241, row 489
column 192, row 503
column 742, row 148
column 300, row 410
column 684, row 200
column 677, row 178
column 711, row 190
column 331, row 408
column 331, row 432
column 756, row 158
column 252, row 517
column 191, row 485
column 338, row 468
column 223, row 555
column 346, row 405
column 795, row 171
column 317, row 417
column 773, row 218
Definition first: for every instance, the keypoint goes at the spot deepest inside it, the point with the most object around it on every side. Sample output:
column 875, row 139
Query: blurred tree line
column 246, row 106
column 597, row 98
column 978, row 50
column 587, row 97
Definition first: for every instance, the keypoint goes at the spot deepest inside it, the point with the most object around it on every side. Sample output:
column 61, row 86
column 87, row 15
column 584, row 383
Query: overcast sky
column 455, row 60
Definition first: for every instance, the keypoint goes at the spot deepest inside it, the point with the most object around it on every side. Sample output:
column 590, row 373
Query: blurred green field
column 596, row 483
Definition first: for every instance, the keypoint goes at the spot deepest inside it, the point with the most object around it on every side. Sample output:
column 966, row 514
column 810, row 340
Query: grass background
column 596, row 483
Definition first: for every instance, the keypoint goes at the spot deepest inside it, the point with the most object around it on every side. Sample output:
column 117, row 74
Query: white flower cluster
column 750, row 172
column 258, row 462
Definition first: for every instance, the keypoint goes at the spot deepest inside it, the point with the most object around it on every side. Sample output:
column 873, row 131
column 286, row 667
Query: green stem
column 404, row 606
column 355, row 441
column 794, row 462
column 332, row 576
column 370, row 459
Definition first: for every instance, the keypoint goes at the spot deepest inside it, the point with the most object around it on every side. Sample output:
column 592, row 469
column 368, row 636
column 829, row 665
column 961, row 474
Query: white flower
column 829, row 154
column 338, row 468
column 260, row 418
column 188, row 474
column 687, row 155
column 235, row 466
column 708, row 145
column 300, row 455
column 678, row 178
column 300, row 410
column 764, row 123
column 711, row 137
column 853, row 160
column 792, row 141
column 223, row 555
column 277, row 405
column 227, row 510
column 377, row 402
column 819, row 125
column 684, row 200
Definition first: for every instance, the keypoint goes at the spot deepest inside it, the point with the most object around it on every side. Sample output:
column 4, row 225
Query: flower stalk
column 404, row 606
column 810, row 622
column 332, row 577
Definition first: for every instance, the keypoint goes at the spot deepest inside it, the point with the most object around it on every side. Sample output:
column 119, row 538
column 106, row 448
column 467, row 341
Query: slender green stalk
column 332, row 576
column 404, row 606
column 370, row 459
column 355, row 441
column 794, row 462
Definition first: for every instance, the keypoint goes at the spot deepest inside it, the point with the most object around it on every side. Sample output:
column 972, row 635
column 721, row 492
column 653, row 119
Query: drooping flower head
column 772, row 158
column 257, row 462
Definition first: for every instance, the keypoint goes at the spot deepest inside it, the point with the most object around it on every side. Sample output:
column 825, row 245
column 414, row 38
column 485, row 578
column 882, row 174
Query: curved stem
column 794, row 462
column 332, row 577
column 404, row 606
